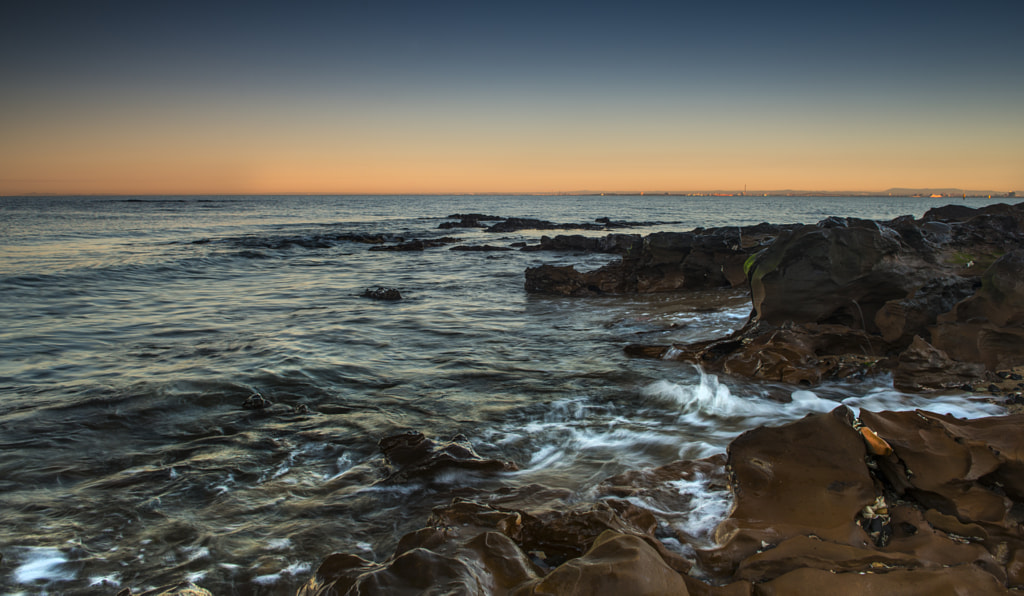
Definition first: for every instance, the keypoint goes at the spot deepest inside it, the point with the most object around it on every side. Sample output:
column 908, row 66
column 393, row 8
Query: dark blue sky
column 639, row 84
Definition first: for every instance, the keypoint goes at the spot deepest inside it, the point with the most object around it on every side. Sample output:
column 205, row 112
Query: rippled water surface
column 134, row 328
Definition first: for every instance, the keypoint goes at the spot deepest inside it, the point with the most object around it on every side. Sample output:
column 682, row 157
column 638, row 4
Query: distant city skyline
column 527, row 97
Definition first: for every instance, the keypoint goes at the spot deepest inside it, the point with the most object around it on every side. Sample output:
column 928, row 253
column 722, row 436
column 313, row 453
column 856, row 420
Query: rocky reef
column 658, row 262
column 892, row 502
column 938, row 301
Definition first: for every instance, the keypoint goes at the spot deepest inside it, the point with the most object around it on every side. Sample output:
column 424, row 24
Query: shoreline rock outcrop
column 938, row 301
column 893, row 502
column 658, row 262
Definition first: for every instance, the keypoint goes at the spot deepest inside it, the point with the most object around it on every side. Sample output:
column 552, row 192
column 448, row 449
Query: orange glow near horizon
column 452, row 143
column 107, row 156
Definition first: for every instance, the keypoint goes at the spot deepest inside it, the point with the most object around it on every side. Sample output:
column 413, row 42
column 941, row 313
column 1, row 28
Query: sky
column 438, row 96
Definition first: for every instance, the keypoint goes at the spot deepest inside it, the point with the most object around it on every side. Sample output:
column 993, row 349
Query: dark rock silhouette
column 940, row 296
column 382, row 293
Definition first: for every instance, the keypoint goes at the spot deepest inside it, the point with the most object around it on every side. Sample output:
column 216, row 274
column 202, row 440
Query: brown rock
column 899, row 321
column 947, row 458
column 930, row 547
column 615, row 564
column 839, row 271
column 988, row 327
column 806, row 477
column 802, row 552
column 923, row 367
column 954, row 581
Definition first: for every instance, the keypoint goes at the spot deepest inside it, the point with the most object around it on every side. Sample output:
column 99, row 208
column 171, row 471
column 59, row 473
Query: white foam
column 195, row 576
column 958, row 405
column 701, row 403
column 708, row 506
column 105, row 581
column 43, row 564
column 290, row 571
column 279, row 544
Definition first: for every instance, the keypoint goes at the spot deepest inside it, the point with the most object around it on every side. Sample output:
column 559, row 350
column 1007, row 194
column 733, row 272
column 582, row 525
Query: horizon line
column 897, row 191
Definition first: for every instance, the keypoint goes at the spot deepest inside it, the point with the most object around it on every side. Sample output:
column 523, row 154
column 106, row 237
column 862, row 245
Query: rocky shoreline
column 881, row 502
column 938, row 302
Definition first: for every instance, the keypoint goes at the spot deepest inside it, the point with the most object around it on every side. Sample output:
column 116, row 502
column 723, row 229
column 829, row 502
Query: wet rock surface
column 819, row 507
column 939, row 301
column 417, row 245
column 382, row 293
column 658, row 262
column 413, row 456
column 515, row 224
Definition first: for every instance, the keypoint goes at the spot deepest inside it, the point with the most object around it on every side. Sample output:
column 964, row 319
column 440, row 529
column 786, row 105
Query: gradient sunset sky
column 162, row 97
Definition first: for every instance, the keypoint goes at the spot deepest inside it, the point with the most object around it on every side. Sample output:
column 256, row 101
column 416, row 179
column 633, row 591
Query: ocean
column 134, row 328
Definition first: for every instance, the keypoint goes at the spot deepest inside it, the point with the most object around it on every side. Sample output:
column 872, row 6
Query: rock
column 468, row 220
column 989, row 326
column 615, row 564
column 567, row 281
column 954, row 581
column 849, row 297
column 898, row 321
column 514, row 224
column 659, row 262
column 838, row 272
column 382, row 293
column 479, row 248
column 256, row 402
column 814, row 510
column 807, row 477
column 611, row 243
column 486, row 564
column 923, row 367
column 954, row 463
column 417, row 245
column 949, row 213
column 796, row 354
column 414, row 456
column 182, row 589
column 474, row 548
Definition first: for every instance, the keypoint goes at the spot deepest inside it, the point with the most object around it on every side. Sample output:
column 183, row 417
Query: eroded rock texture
column 939, row 301
column 892, row 502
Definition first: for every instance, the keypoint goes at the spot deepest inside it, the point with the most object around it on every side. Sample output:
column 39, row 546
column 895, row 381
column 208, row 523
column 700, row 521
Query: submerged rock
column 256, row 402
column 414, row 456
column 382, row 293
column 479, row 248
column 417, row 245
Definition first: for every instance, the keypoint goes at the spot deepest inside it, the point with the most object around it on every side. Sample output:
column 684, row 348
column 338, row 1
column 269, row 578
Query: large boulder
column 840, row 271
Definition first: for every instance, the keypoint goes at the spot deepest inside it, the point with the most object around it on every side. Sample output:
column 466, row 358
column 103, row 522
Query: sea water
column 133, row 328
